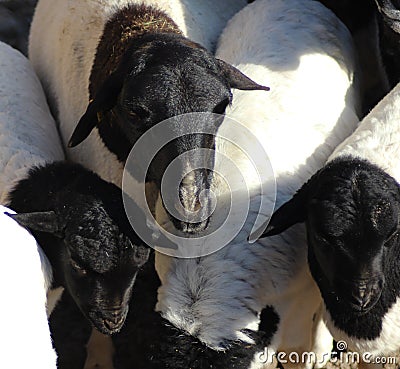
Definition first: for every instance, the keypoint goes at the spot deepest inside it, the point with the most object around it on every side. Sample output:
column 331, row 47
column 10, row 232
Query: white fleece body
column 62, row 46
column 304, row 53
column 28, row 133
column 25, row 277
column 377, row 139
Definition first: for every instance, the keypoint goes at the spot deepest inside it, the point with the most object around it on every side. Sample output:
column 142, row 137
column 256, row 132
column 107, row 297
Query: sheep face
column 161, row 76
column 351, row 209
column 91, row 258
column 99, row 269
column 351, row 220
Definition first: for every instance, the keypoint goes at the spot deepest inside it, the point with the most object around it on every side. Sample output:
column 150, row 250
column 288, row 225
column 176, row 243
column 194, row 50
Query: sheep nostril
column 190, row 228
column 364, row 300
column 364, row 296
column 109, row 324
column 116, row 314
column 114, row 319
column 361, row 296
column 114, row 323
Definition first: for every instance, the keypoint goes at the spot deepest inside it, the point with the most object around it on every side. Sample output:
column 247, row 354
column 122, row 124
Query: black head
column 351, row 210
column 92, row 257
column 162, row 76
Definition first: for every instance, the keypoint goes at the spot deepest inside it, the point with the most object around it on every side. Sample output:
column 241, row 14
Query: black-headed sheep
column 351, row 208
column 122, row 67
column 213, row 308
column 77, row 218
column 80, row 223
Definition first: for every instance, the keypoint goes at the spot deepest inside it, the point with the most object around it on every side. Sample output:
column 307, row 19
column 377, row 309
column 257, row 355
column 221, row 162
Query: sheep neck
column 125, row 26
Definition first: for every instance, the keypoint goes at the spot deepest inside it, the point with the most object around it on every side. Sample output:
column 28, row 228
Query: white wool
column 305, row 54
column 28, row 134
column 25, row 277
column 62, row 46
column 28, row 137
column 377, row 139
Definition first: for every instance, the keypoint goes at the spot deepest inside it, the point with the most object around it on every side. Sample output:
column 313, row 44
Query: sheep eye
column 132, row 114
column 138, row 113
column 78, row 268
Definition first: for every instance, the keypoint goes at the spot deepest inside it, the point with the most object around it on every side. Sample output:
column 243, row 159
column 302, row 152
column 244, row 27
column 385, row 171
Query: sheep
column 25, row 277
column 122, row 67
column 79, row 221
column 23, row 107
column 351, row 211
column 77, row 218
column 217, row 310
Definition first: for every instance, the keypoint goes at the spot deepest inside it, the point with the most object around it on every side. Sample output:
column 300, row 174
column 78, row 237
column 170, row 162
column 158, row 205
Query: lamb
column 79, row 221
column 77, row 218
column 351, row 208
column 222, row 310
column 25, row 279
column 124, row 66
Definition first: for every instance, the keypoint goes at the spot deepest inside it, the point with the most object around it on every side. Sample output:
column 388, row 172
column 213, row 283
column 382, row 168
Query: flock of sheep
column 298, row 78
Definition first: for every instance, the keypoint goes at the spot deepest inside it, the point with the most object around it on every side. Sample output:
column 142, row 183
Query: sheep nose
column 365, row 295
column 195, row 198
column 114, row 320
column 113, row 324
column 190, row 228
column 361, row 297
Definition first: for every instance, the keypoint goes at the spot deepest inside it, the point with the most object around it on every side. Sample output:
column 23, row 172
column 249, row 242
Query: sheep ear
column 45, row 221
column 290, row 213
column 105, row 100
column 237, row 79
